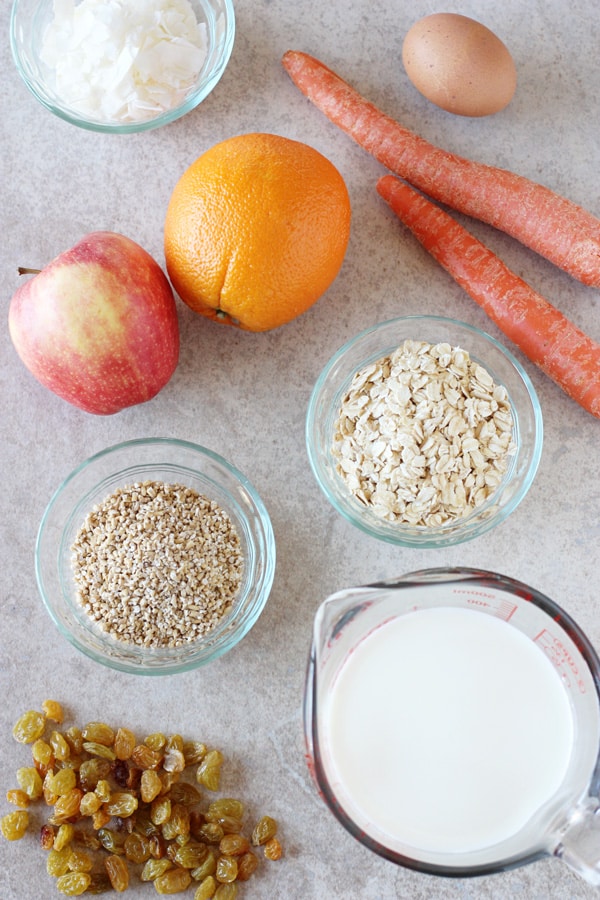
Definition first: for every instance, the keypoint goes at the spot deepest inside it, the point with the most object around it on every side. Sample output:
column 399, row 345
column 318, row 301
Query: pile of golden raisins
column 120, row 809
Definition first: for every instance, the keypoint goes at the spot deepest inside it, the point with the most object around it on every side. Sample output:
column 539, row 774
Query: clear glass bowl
column 172, row 461
column 377, row 342
column 29, row 19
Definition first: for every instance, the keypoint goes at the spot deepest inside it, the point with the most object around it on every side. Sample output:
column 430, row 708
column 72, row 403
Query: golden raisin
column 124, row 743
column 225, row 806
column 173, row 881
column 174, row 760
column 143, row 822
column 18, row 797
column 95, row 748
column 230, row 824
column 100, row 819
column 156, row 741
column 226, row 891
column 184, row 792
column 121, row 804
column 157, row 845
column 273, row 849
column 206, row 889
column 264, row 830
column 73, row 884
column 168, row 780
column 63, row 782
column 227, row 869
column 118, row 872
column 191, row 855
column 42, row 753
column 112, row 841
column 90, row 803
column 103, row 790
column 80, row 861
column 194, row 752
column 150, row 785
column 47, row 837
column 74, row 739
column 63, row 836
column 234, row 845
column 208, row 867
column 178, row 822
column 49, row 796
column 87, row 839
column 29, row 727
column 57, row 862
column 160, row 810
column 146, row 758
column 91, row 771
column 211, row 832
column 209, row 771
column 53, row 711
column 98, row 733
column 99, row 884
column 247, row 865
column 174, row 741
column 137, row 848
column 30, row 782
column 66, row 807
column 60, row 746
column 154, row 868
column 14, row 824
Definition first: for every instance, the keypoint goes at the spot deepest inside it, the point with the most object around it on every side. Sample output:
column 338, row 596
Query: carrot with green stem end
column 553, row 226
column 545, row 335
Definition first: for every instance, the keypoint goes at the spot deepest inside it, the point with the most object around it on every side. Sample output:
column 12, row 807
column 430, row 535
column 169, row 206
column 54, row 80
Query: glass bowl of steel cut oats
column 155, row 556
column 424, row 431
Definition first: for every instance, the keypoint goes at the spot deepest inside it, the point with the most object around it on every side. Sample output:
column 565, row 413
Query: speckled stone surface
column 245, row 397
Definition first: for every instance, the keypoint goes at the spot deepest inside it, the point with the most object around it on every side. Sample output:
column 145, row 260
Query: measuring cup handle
column 579, row 844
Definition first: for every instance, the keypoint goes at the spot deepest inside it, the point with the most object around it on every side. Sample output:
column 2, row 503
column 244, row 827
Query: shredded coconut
column 124, row 60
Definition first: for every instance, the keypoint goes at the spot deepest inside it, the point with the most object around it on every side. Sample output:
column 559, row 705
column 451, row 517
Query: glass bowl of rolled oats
column 424, row 431
column 155, row 556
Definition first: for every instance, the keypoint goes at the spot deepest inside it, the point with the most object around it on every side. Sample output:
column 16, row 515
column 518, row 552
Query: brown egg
column 459, row 64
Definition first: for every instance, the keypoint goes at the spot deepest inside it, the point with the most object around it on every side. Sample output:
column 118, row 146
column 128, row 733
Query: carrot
column 544, row 334
column 554, row 227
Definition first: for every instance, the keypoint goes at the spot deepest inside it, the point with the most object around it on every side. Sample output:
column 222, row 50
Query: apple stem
column 23, row 270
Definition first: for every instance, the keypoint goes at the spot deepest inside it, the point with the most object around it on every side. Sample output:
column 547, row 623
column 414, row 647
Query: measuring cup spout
column 579, row 845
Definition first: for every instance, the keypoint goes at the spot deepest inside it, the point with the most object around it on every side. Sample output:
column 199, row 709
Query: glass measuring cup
column 567, row 823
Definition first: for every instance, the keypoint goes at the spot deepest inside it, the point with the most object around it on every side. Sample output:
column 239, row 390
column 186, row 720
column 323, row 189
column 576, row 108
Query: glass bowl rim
column 397, row 534
column 229, row 636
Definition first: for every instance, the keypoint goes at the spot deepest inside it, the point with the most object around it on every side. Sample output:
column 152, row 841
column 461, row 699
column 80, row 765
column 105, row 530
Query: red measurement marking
column 487, row 600
column 471, row 593
column 561, row 659
column 506, row 610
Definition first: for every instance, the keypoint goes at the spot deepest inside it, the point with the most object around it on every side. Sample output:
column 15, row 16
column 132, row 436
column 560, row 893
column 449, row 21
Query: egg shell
column 459, row 64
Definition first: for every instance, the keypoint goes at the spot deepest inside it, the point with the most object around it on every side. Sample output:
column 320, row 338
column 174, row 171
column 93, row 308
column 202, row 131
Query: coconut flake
column 122, row 60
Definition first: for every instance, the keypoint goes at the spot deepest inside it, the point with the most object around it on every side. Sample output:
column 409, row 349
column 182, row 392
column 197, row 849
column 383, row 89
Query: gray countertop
column 245, row 396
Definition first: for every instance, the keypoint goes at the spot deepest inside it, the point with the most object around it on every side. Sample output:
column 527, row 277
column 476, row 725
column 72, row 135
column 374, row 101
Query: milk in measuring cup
column 446, row 729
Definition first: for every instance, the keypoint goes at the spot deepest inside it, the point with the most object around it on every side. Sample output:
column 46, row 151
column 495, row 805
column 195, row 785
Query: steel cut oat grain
column 157, row 564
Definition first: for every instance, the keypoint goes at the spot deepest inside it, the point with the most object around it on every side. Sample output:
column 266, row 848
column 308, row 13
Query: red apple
column 98, row 325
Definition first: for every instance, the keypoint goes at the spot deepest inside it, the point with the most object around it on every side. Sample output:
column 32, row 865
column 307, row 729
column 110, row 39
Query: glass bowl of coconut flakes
column 121, row 65
column 155, row 556
column 424, row 432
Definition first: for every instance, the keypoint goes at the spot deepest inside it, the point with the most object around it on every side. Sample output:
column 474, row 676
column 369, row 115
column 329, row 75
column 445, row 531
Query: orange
column 256, row 230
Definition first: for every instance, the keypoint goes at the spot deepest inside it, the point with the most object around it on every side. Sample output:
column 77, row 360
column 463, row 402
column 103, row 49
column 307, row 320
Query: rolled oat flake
column 424, row 435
